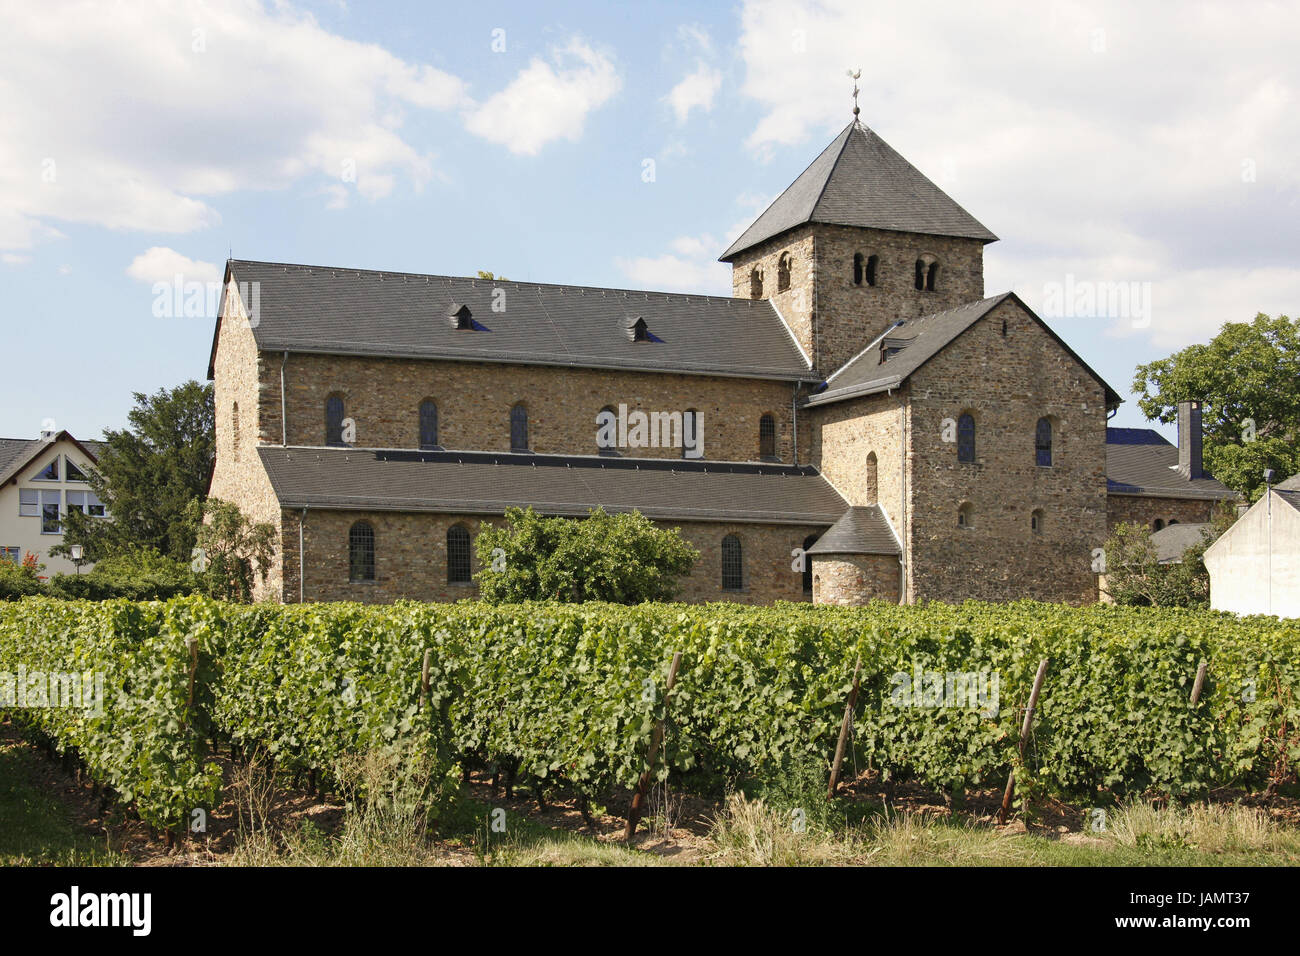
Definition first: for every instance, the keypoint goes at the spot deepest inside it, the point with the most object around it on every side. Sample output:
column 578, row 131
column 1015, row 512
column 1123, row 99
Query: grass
column 35, row 828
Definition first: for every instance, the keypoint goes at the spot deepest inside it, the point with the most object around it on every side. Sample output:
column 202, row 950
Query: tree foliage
column 231, row 549
column 1135, row 576
column 621, row 558
column 147, row 475
column 1248, row 377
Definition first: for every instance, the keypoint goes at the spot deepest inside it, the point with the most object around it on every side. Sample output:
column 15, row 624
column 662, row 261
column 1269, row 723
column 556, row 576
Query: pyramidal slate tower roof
column 860, row 180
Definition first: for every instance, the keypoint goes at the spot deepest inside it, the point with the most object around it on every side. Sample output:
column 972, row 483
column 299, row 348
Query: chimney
column 1189, row 440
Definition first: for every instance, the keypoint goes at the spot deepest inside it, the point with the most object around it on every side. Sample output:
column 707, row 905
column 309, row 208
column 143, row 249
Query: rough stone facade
column 833, row 317
column 1006, row 383
column 239, row 401
column 474, row 399
column 1146, row 510
column 854, row 578
column 411, row 558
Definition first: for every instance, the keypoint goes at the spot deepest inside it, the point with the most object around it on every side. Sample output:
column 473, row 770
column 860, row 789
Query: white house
column 41, row 480
column 1255, row 566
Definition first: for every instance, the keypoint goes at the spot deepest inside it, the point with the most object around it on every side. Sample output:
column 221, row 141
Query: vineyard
column 571, row 695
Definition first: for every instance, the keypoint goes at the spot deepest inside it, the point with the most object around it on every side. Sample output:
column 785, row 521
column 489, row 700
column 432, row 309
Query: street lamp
column 78, row 553
column 1268, row 494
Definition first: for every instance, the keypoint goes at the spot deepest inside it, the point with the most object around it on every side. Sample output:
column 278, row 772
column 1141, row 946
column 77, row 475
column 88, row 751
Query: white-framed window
column 29, row 503
column 87, row 502
column 73, row 472
column 49, row 473
column 51, row 517
column 11, row 552
column 94, row 507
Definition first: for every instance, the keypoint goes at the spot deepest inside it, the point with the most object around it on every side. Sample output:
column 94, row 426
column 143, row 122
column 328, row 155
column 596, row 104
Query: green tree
column 622, row 558
column 147, row 475
column 1248, row 377
column 231, row 549
column 1135, row 576
column 490, row 277
column 19, row 579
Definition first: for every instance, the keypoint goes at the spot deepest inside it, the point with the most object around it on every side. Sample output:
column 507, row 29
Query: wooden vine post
column 424, row 679
column 1200, row 682
column 844, row 732
column 1024, row 736
column 192, row 643
column 656, row 739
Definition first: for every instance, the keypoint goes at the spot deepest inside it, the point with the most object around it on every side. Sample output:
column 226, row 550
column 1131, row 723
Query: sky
column 1138, row 160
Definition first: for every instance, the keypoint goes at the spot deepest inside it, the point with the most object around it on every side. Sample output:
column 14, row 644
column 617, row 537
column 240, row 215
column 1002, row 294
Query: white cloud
column 161, row 264
column 695, row 91
column 547, row 101
column 1110, row 140
column 691, row 266
column 137, row 116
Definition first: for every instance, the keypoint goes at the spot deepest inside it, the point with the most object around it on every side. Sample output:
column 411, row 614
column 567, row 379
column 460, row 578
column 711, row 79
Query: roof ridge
column 511, row 282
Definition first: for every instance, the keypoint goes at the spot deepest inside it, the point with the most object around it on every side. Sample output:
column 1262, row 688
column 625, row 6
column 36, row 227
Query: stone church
column 857, row 421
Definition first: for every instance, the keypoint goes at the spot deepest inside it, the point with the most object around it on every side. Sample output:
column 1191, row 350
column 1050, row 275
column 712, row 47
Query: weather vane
column 855, row 74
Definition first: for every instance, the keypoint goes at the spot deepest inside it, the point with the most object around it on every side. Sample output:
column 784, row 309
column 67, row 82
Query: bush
column 19, row 580
column 143, row 575
column 620, row 558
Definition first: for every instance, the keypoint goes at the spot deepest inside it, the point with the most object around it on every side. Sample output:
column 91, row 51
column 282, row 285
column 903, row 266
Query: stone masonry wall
column 1007, row 383
column 238, row 476
column 474, row 401
column 845, row 433
column 411, row 558
column 833, row 318
column 854, row 579
column 1145, row 510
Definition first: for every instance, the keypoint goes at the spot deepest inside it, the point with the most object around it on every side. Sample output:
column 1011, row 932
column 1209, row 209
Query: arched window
column 519, row 428
column 767, row 436
column 361, row 552
column 919, row 280
column 1172, row 522
column 808, row 542
column 756, row 284
column 966, row 515
column 733, row 564
column 859, row 268
column 334, row 420
column 871, row 486
column 783, row 272
column 234, row 430
column 1036, row 521
column 1158, row 523
column 691, row 437
column 458, row 555
column 428, row 425
column 607, row 432
column 932, row 277
column 966, row 437
column 1043, row 443
column 873, row 264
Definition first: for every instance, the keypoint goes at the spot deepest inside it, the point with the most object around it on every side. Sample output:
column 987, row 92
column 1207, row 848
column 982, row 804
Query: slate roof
column 860, row 180
column 1172, row 540
column 489, row 482
column 362, row 312
column 1290, row 497
column 924, row 337
column 860, row 530
column 1291, row 484
column 1141, row 461
column 17, row 453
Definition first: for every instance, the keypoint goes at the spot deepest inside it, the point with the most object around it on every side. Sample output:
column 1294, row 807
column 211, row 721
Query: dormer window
column 637, row 330
column 460, row 317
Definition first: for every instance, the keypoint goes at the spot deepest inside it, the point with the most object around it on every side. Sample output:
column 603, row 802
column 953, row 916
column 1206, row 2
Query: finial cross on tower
column 855, row 74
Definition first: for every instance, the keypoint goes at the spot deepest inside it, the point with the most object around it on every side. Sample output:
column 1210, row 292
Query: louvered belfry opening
column 458, row 566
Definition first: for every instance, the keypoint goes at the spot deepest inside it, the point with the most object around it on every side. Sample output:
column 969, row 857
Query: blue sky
column 1105, row 143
